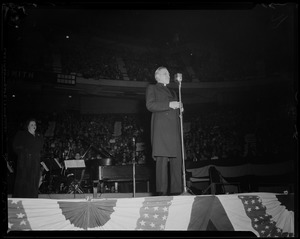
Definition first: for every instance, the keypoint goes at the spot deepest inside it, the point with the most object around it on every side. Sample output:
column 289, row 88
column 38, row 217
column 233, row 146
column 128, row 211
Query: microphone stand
column 133, row 166
column 185, row 190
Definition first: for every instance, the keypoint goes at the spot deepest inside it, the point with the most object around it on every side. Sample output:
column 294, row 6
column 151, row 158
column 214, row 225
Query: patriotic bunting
column 260, row 213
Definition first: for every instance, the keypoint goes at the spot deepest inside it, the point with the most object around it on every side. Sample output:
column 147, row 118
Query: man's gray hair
column 157, row 72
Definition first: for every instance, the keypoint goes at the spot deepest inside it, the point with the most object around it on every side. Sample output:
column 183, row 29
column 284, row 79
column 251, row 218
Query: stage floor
column 90, row 195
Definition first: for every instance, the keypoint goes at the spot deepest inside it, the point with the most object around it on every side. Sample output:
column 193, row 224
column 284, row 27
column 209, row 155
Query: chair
column 218, row 183
column 195, row 180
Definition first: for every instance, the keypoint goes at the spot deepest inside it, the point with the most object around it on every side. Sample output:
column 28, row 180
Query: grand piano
column 105, row 172
column 127, row 173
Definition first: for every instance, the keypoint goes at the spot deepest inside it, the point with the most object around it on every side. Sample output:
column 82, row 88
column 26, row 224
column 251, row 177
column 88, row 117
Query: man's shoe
column 161, row 194
column 175, row 194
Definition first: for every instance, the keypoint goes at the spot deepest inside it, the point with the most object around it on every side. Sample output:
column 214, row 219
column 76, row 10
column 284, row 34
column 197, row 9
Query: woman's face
column 32, row 126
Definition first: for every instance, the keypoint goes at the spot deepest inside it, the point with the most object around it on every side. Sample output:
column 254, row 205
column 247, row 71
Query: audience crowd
column 76, row 133
column 105, row 63
column 142, row 65
column 208, row 135
column 222, row 136
column 91, row 62
column 125, row 62
column 119, row 62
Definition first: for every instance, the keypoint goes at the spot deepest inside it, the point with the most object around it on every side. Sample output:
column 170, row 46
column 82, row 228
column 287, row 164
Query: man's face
column 164, row 76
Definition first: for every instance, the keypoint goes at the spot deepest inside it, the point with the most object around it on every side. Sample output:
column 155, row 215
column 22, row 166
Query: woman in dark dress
column 28, row 146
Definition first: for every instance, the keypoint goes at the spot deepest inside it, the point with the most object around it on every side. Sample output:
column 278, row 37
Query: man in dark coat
column 165, row 133
column 28, row 146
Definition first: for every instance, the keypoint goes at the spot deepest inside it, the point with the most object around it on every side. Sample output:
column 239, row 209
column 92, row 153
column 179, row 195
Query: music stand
column 75, row 164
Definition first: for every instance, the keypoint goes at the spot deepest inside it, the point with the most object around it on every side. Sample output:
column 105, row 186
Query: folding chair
column 192, row 181
column 218, row 183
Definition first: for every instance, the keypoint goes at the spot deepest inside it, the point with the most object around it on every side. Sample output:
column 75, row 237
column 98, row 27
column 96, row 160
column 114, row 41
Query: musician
column 78, row 157
column 165, row 133
column 28, row 145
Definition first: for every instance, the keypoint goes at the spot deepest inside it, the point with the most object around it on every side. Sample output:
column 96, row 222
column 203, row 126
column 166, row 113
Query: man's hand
column 176, row 105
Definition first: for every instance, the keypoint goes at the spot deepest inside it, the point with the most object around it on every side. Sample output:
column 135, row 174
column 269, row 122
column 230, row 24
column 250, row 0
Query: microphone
column 178, row 77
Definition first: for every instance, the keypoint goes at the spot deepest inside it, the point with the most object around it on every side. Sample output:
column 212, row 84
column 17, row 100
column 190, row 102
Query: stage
column 262, row 214
column 90, row 195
